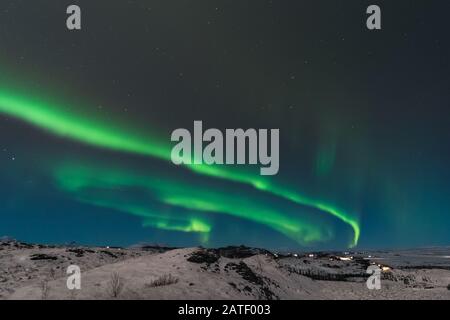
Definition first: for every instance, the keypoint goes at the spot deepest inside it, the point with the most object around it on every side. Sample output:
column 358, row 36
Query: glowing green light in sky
column 85, row 181
column 73, row 125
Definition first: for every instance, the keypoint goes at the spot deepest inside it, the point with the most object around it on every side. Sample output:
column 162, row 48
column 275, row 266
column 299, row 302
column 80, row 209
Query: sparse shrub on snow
column 163, row 280
column 45, row 289
column 115, row 285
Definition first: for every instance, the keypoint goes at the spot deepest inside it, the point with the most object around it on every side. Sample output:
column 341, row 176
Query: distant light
column 345, row 258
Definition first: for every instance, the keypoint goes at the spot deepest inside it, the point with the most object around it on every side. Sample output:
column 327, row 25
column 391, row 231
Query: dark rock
column 78, row 252
column 240, row 252
column 108, row 253
column 42, row 256
column 247, row 274
column 203, row 256
column 25, row 245
column 247, row 288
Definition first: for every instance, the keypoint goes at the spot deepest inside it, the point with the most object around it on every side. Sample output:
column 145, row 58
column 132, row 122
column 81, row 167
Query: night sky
column 86, row 118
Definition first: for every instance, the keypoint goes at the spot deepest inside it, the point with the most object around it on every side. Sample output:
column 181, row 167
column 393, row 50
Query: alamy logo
column 73, row 22
column 374, row 20
column 241, row 147
column 374, row 281
column 74, row 278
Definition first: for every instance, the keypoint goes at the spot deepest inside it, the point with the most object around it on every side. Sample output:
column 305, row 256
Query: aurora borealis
column 86, row 122
column 72, row 126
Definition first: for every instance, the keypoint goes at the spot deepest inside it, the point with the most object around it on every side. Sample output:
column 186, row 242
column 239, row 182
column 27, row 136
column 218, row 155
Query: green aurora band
column 151, row 217
column 69, row 124
column 88, row 183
